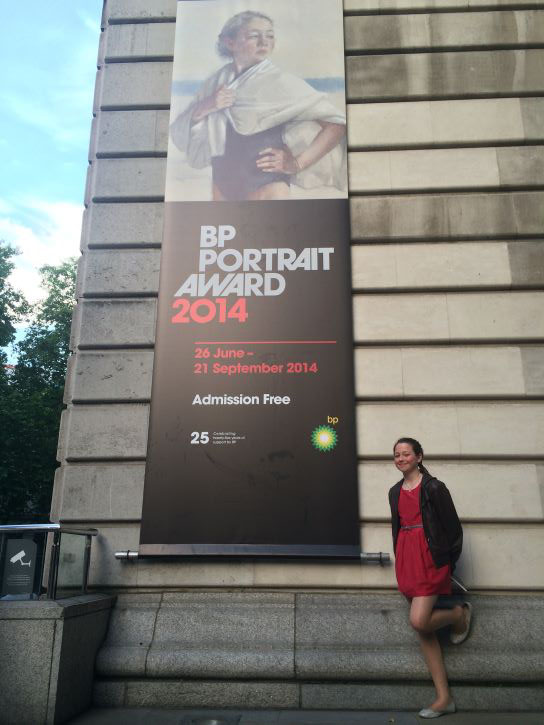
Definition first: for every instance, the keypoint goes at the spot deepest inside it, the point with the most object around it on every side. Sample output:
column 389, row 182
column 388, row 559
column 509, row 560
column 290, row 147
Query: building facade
column 446, row 168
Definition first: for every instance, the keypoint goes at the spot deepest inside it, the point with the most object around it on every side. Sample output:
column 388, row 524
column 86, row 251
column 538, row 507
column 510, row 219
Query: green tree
column 30, row 412
column 13, row 306
column 42, row 354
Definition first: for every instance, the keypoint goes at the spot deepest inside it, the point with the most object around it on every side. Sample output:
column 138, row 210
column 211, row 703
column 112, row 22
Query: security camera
column 19, row 558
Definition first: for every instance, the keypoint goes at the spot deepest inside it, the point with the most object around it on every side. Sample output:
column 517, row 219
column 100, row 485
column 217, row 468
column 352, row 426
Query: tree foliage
column 13, row 306
column 31, row 396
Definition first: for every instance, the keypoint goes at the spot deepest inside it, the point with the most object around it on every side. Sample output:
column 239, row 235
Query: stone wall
column 446, row 126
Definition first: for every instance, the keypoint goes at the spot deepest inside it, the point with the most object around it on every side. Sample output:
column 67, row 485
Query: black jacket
column 440, row 521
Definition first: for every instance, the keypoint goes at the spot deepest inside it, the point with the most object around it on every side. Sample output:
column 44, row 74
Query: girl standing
column 427, row 541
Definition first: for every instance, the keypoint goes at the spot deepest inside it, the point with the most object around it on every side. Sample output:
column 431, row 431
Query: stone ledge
column 56, row 609
column 354, row 637
column 47, row 658
column 232, row 635
column 304, row 637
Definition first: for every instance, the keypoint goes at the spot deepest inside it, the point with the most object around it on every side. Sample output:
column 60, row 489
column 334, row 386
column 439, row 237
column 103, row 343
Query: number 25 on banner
column 199, row 438
column 204, row 310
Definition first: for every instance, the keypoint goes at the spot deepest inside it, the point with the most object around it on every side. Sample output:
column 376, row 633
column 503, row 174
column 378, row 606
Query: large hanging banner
column 251, row 446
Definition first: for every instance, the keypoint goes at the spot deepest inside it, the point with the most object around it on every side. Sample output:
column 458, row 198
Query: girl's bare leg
column 424, row 619
column 425, row 622
column 430, row 646
column 275, row 190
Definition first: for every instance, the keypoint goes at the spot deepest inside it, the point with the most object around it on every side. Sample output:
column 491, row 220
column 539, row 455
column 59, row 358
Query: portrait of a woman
column 261, row 129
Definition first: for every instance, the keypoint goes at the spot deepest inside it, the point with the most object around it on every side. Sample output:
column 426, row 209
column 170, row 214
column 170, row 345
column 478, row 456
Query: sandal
column 429, row 714
column 460, row 638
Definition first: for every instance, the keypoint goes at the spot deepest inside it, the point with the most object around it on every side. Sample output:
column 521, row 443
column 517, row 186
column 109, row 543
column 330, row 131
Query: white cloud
column 89, row 21
column 44, row 233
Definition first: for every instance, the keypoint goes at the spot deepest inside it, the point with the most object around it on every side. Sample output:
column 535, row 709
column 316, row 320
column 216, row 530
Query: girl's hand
column 222, row 98
column 277, row 160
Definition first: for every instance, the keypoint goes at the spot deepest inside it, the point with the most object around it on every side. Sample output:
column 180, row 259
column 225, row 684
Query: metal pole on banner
column 378, row 557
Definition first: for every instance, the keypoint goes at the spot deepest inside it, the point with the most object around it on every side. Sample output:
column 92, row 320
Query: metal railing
column 31, row 552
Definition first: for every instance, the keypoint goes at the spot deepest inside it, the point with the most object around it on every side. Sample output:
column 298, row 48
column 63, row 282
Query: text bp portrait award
column 251, row 447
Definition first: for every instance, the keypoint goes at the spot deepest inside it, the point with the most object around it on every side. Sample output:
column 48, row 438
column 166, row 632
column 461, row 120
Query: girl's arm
column 445, row 510
column 282, row 160
column 330, row 135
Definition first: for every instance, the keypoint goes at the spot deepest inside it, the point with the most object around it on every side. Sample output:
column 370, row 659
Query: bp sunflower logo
column 324, row 438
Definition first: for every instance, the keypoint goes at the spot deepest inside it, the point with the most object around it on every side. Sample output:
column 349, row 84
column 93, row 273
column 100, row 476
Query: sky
column 48, row 52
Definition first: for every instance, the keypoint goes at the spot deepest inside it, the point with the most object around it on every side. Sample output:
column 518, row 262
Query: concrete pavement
column 145, row 716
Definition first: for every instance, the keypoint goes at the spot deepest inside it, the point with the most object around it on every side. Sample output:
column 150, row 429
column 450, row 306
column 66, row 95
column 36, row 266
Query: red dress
column 417, row 575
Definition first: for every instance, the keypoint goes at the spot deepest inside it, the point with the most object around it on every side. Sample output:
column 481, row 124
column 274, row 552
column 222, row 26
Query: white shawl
column 265, row 97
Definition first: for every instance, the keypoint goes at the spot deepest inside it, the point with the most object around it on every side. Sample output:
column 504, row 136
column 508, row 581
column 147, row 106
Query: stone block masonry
column 447, row 217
